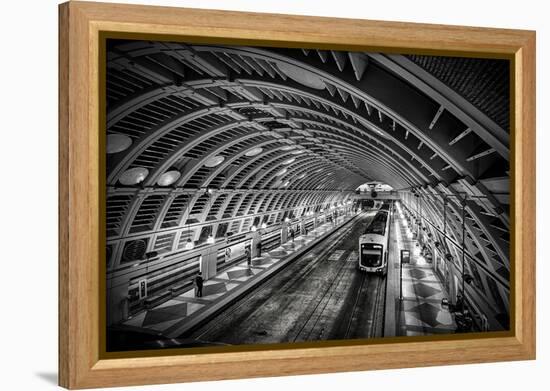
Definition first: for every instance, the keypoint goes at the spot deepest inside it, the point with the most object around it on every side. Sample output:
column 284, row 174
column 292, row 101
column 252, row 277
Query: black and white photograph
column 275, row 195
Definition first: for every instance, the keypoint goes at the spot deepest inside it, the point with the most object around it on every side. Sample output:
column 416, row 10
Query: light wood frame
column 81, row 364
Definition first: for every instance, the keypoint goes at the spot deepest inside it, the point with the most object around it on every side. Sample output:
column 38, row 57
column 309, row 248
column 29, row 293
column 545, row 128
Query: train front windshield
column 371, row 255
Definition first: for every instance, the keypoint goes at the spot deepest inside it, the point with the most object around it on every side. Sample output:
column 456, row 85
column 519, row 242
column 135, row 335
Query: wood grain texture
column 80, row 363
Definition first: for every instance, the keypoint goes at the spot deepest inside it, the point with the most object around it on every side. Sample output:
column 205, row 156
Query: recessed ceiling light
column 302, row 76
column 300, row 176
column 214, row 161
column 289, row 161
column 118, row 143
column 281, row 172
column 254, row 152
column 168, row 178
column 133, row 176
column 288, row 147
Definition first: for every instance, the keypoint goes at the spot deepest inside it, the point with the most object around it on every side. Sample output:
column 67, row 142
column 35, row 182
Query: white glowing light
column 168, row 178
column 133, row 176
column 302, row 75
column 254, row 151
column 189, row 245
column 281, row 172
column 288, row 147
column 117, row 143
column 214, row 161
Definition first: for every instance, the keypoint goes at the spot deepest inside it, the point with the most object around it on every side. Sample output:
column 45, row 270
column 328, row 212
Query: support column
column 209, row 263
column 255, row 240
column 284, row 232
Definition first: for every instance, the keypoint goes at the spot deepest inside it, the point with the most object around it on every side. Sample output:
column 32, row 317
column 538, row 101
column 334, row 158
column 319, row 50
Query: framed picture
column 247, row 195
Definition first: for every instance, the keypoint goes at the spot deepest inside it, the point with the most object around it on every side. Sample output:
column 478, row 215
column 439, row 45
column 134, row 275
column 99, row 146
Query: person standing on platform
column 198, row 285
column 259, row 248
column 292, row 235
column 248, row 256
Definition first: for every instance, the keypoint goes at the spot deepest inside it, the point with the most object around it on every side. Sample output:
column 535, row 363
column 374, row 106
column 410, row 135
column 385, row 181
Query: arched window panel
column 222, row 230
column 158, row 150
column 255, row 203
column 246, row 225
column 215, row 208
column 197, row 179
column 249, row 166
column 272, row 218
column 206, row 231
column 198, row 208
column 187, row 234
column 148, row 211
column 267, row 197
column 235, row 226
column 117, row 207
column 143, row 119
column 164, row 242
column 175, row 211
column 121, row 84
column 244, row 204
column 231, row 206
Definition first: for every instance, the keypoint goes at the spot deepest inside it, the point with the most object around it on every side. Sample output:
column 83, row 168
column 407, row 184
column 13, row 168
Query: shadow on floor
column 48, row 377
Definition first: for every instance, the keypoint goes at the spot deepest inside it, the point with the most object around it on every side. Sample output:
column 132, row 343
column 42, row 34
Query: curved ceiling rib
column 261, row 132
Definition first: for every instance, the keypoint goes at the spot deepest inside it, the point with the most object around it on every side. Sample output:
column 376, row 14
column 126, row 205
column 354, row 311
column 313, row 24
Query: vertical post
column 401, row 277
column 463, row 254
column 444, row 244
column 417, row 216
column 405, row 257
column 444, row 217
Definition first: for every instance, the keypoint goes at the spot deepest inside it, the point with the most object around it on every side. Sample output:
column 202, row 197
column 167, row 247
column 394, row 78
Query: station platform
column 420, row 311
column 181, row 313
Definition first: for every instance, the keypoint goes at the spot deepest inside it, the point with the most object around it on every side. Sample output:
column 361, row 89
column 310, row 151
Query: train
column 374, row 244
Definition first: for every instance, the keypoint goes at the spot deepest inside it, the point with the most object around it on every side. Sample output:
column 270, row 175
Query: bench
column 159, row 298
column 177, row 290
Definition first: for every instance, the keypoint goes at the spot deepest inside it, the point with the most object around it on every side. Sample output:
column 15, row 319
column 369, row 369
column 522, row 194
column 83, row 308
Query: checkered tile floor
column 421, row 310
column 174, row 312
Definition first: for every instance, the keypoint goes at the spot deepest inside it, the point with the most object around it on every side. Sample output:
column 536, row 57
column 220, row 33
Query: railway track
column 302, row 274
column 269, row 312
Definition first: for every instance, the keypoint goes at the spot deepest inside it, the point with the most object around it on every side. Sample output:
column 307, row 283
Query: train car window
column 371, row 255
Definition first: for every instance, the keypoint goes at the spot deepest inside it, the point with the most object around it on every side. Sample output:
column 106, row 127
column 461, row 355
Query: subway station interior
column 318, row 194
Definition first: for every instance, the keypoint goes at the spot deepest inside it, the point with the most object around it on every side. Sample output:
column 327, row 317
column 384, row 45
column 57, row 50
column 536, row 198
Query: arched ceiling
column 203, row 133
